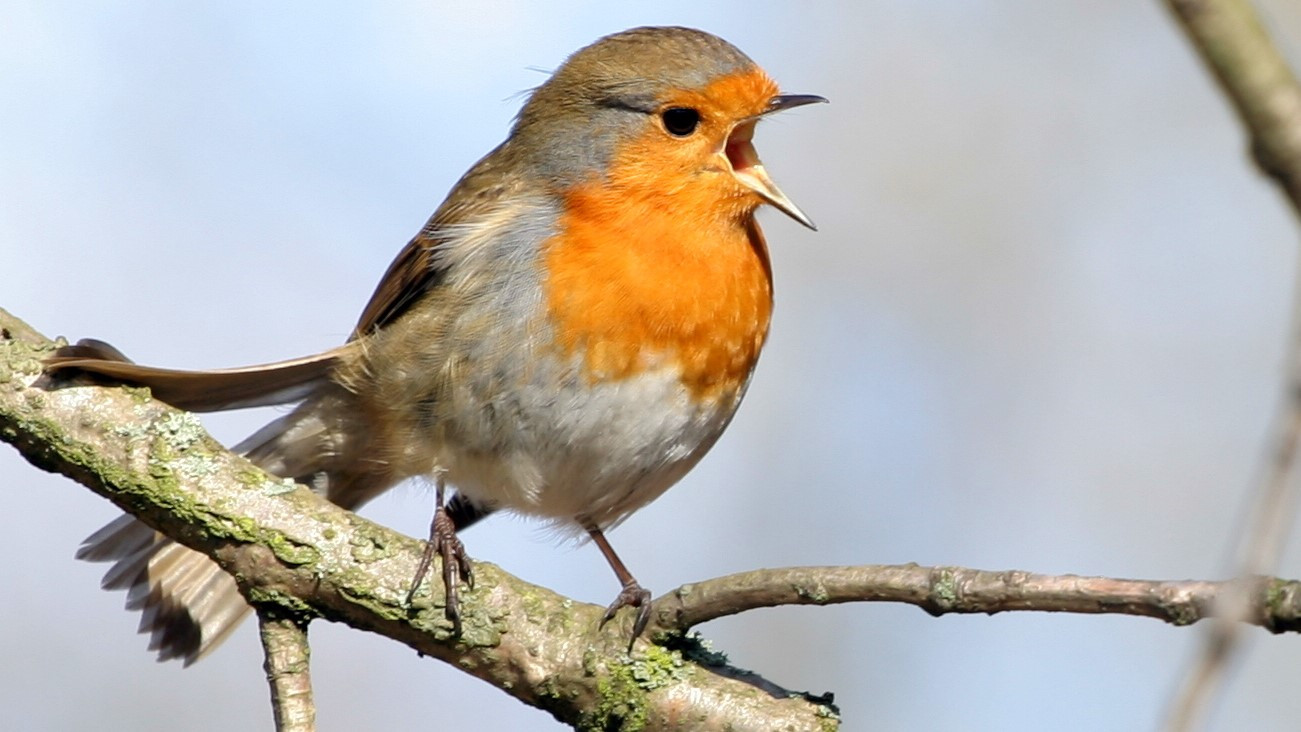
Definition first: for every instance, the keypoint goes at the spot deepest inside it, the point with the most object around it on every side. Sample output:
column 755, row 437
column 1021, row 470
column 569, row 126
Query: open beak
column 749, row 170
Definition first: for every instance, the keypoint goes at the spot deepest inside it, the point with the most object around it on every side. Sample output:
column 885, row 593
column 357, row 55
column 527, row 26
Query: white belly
column 586, row 452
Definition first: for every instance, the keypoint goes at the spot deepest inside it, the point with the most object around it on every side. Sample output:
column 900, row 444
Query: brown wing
column 412, row 273
column 415, row 270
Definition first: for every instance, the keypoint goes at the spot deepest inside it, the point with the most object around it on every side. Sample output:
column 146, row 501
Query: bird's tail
column 188, row 604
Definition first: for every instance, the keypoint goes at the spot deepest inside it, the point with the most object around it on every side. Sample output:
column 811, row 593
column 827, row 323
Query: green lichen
column 139, row 394
column 289, row 603
column 591, row 661
column 944, row 589
column 828, row 716
column 251, row 478
column 181, row 430
column 697, row 649
column 622, row 693
column 361, row 588
column 278, row 487
column 369, row 545
column 1280, row 605
column 824, row 705
column 817, row 594
column 480, row 627
column 287, row 550
column 1181, row 614
column 550, row 696
column 620, row 705
column 534, row 607
column 558, row 623
column 659, row 667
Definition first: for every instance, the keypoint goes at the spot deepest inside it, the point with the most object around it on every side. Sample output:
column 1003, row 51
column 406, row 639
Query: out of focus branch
column 300, row 556
column 1230, row 39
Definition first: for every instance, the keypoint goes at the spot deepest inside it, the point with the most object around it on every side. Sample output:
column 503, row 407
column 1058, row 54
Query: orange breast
column 646, row 274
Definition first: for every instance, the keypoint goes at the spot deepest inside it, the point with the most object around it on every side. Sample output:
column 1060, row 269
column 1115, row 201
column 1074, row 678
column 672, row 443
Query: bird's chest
column 645, row 343
column 652, row 286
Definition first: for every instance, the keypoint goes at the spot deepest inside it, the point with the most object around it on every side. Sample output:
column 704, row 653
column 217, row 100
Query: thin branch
column 1229, row 37
column 1274, row 604
column 288, row 657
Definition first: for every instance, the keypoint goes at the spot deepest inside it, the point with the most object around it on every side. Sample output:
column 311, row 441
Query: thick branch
column 288, row 658
column 291, row 548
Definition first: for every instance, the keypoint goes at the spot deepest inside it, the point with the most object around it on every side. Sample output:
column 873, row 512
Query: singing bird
column 565, row 338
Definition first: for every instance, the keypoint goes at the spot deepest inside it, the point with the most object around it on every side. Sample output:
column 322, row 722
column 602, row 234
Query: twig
column 1272, row 603
column 1230, row 39
column 284, row 642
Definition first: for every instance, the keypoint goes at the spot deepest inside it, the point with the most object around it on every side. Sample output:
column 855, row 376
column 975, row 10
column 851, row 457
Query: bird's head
column 660, row 113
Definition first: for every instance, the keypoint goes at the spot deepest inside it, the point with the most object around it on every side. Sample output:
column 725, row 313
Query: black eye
column 680, row 121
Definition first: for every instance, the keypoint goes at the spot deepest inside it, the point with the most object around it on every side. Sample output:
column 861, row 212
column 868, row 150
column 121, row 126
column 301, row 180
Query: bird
column 565, row 338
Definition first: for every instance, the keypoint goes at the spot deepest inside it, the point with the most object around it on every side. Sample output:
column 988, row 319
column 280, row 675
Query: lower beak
column 749, row 170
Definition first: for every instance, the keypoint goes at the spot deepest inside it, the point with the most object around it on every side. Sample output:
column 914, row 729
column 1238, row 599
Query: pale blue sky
column 1041, row 328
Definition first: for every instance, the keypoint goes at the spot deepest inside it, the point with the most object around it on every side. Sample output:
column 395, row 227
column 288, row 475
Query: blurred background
column 1041, row 327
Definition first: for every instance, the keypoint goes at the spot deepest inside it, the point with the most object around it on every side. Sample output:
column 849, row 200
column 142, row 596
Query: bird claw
column 632, row 595
column 456, row 565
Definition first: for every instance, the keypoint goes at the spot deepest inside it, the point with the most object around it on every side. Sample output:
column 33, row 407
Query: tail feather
column 202, row 391
column 188, row 604
column 175, row 588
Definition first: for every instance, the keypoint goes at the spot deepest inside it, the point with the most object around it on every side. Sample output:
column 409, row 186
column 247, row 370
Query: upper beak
column 790, row 101
column 749, row 170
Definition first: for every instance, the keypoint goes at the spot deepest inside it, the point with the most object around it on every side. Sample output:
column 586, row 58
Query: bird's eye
column 680, row 121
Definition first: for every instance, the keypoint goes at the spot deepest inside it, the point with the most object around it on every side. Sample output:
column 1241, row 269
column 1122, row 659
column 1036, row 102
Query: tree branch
column 288, row 658
column 292, row 550
column 1275, row 604
column 1230, row 39
column 1228, row 36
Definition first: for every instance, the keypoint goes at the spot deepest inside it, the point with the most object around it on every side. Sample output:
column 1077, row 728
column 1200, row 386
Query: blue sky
column 1041, row 327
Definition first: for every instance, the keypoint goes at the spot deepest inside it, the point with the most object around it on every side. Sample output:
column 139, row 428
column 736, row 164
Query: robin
column 565, row 338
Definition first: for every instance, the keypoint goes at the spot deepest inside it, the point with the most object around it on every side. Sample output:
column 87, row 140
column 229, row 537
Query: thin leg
column 442, row 539
column 632, row 594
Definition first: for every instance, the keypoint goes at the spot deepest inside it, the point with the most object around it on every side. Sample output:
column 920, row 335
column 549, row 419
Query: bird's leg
column 443, row 540
column 632, row 594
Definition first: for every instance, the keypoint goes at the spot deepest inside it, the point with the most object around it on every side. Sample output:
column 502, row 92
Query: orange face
column 695, row 170
column 660, row 261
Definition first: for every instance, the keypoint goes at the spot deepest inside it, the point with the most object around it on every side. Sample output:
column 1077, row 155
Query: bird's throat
column 633, row 284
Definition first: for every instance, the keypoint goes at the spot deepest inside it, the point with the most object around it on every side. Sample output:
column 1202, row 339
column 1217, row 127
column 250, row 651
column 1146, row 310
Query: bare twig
column 1235, row 47
column 1272, row 603
column 284, row 642
column 1230, row 39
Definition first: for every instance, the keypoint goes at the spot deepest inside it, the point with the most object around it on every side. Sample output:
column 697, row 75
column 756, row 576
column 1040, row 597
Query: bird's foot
column 456, row 565
column 632, row 595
